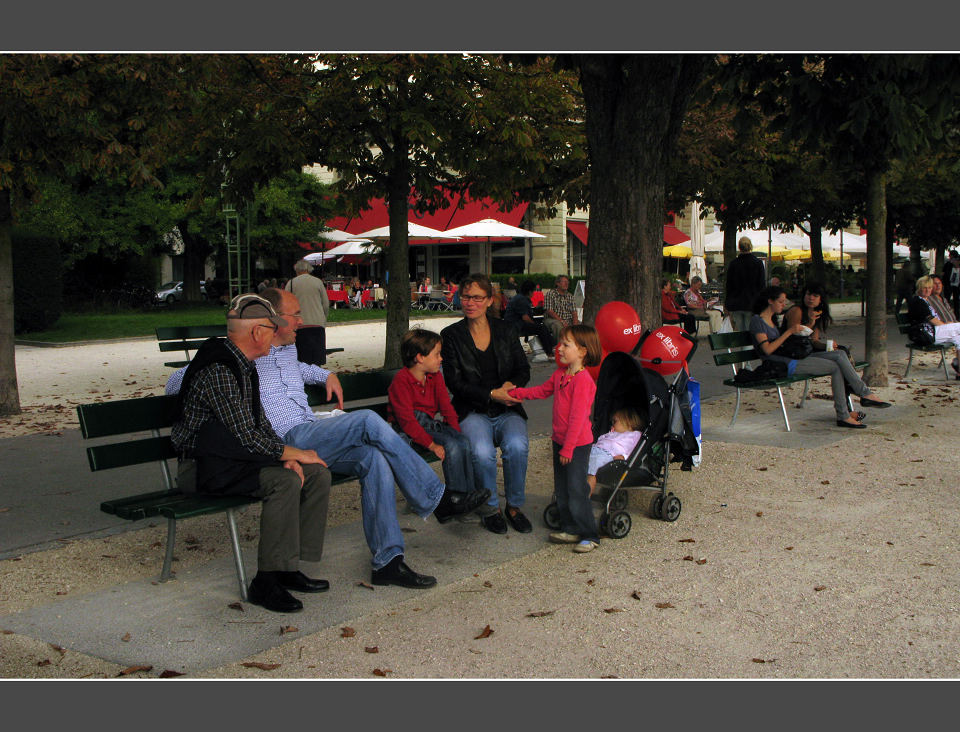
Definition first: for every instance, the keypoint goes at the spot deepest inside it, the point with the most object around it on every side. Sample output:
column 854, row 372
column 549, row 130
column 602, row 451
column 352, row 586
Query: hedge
column 37, row 282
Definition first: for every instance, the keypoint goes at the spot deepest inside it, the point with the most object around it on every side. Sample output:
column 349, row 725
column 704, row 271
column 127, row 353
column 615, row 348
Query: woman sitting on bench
column 768, row 338
column 926, row 328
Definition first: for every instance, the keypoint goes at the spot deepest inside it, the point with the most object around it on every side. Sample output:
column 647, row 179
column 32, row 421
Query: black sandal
column 868, row 402
column 857, row 426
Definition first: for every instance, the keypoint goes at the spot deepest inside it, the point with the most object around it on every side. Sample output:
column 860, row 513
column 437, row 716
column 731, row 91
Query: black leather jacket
column 461, row 371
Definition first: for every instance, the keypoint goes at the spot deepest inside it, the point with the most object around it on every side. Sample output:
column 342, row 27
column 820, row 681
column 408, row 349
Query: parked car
column 170, row 292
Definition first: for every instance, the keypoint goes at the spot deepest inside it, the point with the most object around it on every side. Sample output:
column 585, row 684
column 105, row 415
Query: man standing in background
column 314, row 304
column 745, row 279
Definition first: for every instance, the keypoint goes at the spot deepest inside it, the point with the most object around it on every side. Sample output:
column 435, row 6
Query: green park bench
column 736, row 349
column 144, row 425
column 188, row 338
column 903, row 324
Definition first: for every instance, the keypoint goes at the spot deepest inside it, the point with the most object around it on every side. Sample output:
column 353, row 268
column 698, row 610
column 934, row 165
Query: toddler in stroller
column 625, row 433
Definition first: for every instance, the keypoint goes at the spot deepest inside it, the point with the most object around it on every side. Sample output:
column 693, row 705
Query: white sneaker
column 562, row 537
column 541, row 358
column 585, row 546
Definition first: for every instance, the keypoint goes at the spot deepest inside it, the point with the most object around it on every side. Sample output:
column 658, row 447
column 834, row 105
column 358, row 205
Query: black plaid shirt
column 214, row 393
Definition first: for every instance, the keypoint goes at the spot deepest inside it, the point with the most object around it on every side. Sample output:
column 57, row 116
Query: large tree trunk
column 876, row 336
column 816, row 251
column 634, row 107
column 729, row 243
column 9, row 394
column 398, row 262
column 195, row 251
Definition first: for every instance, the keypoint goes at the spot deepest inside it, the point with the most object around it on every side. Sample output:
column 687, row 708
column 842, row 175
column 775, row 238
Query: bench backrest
column 741, row 339
column 903, row 322
column 146, row 414
column 366, row 389
column 178, row 338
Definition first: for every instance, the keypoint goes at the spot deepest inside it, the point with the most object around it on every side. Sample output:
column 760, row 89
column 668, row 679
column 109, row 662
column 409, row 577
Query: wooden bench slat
column 165, row 346
column 169, row 333
column 132, row 452
column 127, row 415
column 191, row 505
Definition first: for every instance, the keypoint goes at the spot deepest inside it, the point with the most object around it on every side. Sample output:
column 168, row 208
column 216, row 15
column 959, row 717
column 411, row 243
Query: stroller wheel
column 656, row 505
column 618, row 524
column 670, row 511
column 551, row 517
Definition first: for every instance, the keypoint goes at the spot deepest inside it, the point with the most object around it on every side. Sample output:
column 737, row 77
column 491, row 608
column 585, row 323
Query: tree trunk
column 816, row 252
column 729, row 243
column 9, row 395
column 398, row 262
column 634, row 107
column 195, row 251
column 876, row 336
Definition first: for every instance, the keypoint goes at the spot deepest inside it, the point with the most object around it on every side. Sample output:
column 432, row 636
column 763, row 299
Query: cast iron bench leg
column 168, row 555
column 943, row 362
column 237, row 557
column 736, row 409
column 803, row 399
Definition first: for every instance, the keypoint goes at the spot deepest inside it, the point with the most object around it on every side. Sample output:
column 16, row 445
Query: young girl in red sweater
column 573, row 390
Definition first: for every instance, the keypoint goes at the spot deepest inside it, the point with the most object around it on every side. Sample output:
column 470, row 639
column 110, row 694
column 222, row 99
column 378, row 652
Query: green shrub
column 37, row 282
column 544, row 279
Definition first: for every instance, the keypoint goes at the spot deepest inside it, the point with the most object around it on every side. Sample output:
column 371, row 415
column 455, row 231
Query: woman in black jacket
column 482, row 361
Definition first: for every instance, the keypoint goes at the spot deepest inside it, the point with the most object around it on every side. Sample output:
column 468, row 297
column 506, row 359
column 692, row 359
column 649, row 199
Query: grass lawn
column 130, row 324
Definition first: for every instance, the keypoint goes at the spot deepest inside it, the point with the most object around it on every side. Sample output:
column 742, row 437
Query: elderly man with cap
column 223, row 428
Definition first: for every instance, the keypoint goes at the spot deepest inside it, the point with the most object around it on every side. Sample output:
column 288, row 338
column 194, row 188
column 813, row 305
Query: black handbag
column 795, row 347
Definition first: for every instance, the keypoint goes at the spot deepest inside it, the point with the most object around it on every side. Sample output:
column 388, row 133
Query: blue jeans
column 508, row 431
column 361, row 443
column 458, row 462
column 572, row 494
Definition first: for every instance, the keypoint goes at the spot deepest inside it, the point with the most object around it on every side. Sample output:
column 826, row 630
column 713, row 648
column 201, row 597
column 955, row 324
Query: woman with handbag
column 813, row 311
column 768, row 339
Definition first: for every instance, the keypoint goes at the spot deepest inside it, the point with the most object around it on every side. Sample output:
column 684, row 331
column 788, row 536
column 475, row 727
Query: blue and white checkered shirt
column 282, row 395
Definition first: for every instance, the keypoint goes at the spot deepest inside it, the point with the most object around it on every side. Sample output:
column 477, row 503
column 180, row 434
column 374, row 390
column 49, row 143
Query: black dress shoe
column 269, row 594
column 495, row 523
column 398, row 573
column 850, row 425
column 518, row 521
column 868, row 402
column 453, row 503
column 299, row 582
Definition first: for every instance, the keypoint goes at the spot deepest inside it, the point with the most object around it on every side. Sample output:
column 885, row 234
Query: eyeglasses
column 272, row 327
column 473, row 298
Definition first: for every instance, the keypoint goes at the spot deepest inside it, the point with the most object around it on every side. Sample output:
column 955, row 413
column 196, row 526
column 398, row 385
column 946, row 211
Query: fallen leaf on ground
column 613, row 610
column 381, row 671
column 365, row 584
column 347, row 632
column 927, row 564
column 540, row 614
column 610, row 676
column 590, row 581
column 701, row 561
column 758, row 660
column 687, row 541
column 488, row 584
column 371, row 649
column 44, row 662
column 636, row 595
column 4, row 509
column 289, row 629
column 126, row 638
column 168, row 674
column 261, row 666
column 236, row 606
column 134, row 670
column 485, row 633
column 663, row 605
column 59, row 649
column 788, row 548
column 759, row 513
column 819, row 588
column 764, row 468
column 824, row 482
column 688, row 558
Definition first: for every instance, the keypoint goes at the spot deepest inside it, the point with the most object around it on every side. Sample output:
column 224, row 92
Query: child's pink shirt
column 572, row 402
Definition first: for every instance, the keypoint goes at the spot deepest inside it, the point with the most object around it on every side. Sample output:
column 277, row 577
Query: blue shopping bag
column 693, row 396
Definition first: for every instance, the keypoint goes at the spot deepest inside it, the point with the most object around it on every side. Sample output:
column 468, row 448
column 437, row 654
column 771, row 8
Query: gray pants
column 837, row 365
column 740, row 319
column 294, row 517
column 554, row 326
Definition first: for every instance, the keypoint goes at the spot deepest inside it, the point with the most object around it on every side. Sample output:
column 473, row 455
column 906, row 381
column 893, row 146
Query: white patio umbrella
column 698, row 265
column 318, row 257
column 355, row 246
column 414, row 231
column 337, row 235
column 760, row 238
column 491, row 229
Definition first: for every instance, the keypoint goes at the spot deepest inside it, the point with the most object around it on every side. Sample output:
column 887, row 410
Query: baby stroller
column 626, row 380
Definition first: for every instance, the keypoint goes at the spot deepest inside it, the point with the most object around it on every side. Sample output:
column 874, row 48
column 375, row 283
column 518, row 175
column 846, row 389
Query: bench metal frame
column 903, row 325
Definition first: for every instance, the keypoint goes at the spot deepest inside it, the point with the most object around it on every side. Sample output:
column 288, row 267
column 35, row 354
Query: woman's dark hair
column 815, row 288
column 480, row 280
column 765, row 296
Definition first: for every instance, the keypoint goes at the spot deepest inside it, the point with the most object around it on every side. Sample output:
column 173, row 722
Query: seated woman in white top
column 926, row 327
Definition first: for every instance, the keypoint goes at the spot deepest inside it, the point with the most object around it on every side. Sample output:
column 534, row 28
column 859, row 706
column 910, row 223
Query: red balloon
column 666, row 350
column 618, row 326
